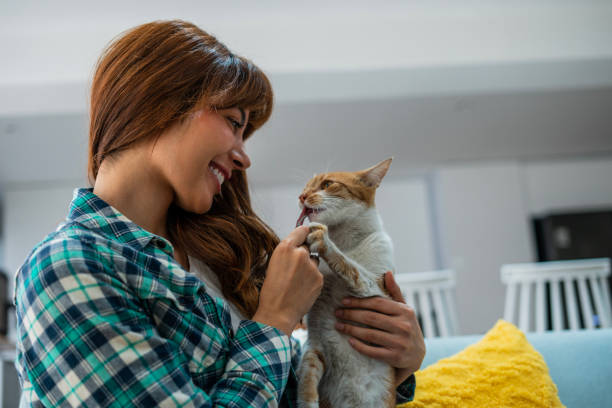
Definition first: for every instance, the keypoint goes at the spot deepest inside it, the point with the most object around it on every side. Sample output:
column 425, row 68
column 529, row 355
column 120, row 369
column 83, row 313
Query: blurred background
column 498, row 116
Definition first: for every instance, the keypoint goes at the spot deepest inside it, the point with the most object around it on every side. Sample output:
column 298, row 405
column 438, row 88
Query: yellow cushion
column 501, row 370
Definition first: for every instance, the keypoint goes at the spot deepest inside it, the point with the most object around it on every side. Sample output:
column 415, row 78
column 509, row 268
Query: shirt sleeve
column 88, row 341
column 405, row 391
column 296, row 352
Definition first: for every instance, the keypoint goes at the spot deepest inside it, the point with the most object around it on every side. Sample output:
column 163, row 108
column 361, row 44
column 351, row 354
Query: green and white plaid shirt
column 106, row 317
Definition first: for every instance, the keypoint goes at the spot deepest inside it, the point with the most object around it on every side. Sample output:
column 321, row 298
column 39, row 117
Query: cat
column 346, row 231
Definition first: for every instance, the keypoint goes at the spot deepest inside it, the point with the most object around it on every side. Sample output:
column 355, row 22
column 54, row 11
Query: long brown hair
column 153, row 77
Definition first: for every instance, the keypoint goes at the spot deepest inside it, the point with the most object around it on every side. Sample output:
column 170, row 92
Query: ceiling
column 59, row 41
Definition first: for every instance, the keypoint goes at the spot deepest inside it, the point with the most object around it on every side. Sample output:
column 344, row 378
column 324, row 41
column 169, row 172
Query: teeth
column 218, row 174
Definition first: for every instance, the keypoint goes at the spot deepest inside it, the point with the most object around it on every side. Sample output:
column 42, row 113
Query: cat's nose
column 302, row 198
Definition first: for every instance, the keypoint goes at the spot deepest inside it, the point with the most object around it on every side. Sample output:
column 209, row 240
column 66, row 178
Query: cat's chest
column 370, row 252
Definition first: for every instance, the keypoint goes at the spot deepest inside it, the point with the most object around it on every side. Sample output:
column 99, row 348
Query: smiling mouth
column 307, row 212
column 219, row 172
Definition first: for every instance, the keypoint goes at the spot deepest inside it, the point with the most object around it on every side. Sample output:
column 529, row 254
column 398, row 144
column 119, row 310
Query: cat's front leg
column 318, row 241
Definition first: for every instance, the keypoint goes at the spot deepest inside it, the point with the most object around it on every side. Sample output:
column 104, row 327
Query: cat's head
column 333, row 198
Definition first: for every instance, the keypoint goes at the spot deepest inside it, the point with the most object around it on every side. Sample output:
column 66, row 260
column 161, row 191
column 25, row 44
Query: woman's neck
column 130, row 185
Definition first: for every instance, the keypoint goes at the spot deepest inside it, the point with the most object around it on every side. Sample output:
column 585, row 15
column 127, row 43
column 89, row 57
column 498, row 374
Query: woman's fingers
column 378, row 353
column 375, row 337
column 297, row 236
column 368, row 318
column 379, row 304
column 392, row 287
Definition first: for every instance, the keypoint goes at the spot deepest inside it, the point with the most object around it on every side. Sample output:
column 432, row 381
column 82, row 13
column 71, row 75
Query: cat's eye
column 326, row 184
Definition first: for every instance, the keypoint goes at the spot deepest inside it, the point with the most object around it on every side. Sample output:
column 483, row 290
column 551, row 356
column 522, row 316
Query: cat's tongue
column 302, row 217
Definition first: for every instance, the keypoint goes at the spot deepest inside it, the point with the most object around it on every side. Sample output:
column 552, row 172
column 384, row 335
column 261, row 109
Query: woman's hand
column 292, row 284
column 394, row 335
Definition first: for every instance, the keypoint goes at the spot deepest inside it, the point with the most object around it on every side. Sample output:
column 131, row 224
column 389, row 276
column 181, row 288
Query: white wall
column 1, row 233
column 277, row 206
column 29, row 215
column 484, row 209
column 483, row 224
column 568, row 184
column 405, row 208
column 2, row 263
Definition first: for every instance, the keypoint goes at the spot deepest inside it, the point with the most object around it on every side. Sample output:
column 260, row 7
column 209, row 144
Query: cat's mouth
column 307, row 212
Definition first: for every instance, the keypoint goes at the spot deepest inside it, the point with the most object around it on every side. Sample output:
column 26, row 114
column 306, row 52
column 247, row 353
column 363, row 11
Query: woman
column 108, row 312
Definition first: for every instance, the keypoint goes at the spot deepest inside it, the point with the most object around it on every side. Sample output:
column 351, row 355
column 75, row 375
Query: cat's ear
column 373, row 176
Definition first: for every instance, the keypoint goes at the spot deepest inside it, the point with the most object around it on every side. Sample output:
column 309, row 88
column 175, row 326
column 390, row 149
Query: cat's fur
column 355, row 253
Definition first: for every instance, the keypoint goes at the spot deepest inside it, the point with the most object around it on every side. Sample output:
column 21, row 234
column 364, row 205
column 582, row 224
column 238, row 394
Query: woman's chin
column 198, row 206
column 204, row 207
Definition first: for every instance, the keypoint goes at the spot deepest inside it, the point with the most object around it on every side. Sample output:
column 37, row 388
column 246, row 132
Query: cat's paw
column 318, row 239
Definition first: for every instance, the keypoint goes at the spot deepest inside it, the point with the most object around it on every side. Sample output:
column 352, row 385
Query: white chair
column 578, row 289
column 432, row 296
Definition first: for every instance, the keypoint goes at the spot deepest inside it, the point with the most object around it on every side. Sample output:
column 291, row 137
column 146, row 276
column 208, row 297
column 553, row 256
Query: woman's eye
column 235, row 124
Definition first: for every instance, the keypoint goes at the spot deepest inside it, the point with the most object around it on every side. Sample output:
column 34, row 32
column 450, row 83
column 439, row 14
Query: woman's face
column 196, row 157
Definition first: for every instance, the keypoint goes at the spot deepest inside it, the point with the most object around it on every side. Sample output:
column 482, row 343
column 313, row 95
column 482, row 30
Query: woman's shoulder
column 65, row 251
column 75, row 253
column 62, row 243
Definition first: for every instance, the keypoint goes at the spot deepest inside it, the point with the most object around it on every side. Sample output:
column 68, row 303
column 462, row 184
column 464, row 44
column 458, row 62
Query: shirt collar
column 91, row 211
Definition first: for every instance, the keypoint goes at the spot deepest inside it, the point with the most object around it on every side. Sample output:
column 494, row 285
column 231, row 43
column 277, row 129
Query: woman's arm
column 85, row 339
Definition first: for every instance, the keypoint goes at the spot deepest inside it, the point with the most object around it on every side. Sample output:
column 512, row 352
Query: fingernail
column 346, row 301
column 339, row 326
column 339, row 312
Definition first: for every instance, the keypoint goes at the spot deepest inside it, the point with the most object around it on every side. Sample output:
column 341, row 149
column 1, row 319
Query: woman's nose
column 240, row 159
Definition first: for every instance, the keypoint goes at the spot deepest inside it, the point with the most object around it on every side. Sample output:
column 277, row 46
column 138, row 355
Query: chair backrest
column 432, row 296
column 577, row 291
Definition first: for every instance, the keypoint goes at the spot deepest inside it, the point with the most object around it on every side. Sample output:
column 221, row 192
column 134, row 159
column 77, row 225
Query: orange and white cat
column 346, row 230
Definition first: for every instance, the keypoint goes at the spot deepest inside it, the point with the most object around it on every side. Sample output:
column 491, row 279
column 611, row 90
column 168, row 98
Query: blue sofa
column 580, row 362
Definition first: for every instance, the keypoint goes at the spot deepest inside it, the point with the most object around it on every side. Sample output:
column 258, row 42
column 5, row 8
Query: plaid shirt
column 106, row 317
